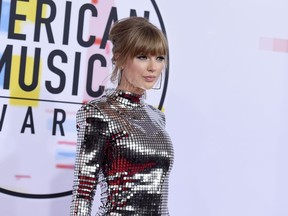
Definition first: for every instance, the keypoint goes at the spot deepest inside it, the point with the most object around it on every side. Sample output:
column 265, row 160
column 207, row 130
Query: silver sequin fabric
column 123, row 146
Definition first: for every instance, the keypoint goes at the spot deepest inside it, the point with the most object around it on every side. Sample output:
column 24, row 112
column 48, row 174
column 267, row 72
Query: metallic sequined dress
column 123, row 147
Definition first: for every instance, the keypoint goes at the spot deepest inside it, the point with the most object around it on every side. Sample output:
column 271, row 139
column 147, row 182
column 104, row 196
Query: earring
column 120, row 76
column 160, row 83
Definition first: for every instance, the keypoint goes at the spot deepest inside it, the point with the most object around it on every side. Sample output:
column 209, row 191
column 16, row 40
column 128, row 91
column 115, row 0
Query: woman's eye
column 160, row 58
column 142, row 57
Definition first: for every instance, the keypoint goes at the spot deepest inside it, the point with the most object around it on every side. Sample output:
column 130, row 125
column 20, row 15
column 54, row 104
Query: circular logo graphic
column 54, row 72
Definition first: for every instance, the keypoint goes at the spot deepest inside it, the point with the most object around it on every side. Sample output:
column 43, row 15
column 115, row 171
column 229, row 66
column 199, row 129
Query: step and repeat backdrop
column 54, row 56
column 224, row 94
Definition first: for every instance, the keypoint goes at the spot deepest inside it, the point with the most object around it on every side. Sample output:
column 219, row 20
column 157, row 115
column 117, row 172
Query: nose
column 152, row 66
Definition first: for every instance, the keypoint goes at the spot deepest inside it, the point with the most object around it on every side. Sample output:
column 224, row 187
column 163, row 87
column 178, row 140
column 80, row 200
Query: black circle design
column 167, row 67
column 35, row 196
column 68, row 193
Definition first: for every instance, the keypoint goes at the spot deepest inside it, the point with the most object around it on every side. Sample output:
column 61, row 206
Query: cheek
column 135, row 71
column 131, row 75
column 160, row 69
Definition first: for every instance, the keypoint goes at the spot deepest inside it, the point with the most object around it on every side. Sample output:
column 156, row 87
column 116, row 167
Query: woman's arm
column 92, row 134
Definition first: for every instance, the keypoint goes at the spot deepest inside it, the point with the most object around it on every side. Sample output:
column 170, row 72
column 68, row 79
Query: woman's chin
column 149, row 86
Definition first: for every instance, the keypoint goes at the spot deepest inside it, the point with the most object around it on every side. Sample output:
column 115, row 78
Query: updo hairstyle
column 133, row 36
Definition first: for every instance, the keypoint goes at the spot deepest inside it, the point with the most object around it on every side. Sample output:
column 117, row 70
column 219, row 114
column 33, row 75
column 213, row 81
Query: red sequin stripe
column 131, row 97
column 123, row 165
column 86, row 178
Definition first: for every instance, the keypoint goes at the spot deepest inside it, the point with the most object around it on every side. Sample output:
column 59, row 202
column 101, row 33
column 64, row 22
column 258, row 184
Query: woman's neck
column 125, row 85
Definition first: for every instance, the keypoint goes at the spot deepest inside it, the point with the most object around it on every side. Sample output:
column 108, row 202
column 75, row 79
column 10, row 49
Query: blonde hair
column 133, row 36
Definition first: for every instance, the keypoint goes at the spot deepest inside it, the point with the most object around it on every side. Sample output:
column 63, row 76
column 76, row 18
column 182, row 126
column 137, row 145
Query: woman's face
column 141, row 72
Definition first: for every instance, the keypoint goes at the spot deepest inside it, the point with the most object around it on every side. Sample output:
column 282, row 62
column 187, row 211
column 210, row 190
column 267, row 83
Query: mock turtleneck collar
column 127, row 98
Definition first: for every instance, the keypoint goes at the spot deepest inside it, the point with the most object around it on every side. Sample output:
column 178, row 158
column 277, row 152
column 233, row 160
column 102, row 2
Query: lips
column 149, row 78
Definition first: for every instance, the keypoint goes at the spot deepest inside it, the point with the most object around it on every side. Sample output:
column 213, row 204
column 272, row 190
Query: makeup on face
column 141, row 72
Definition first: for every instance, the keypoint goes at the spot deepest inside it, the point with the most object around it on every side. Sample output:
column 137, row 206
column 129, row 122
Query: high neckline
column 127, row 98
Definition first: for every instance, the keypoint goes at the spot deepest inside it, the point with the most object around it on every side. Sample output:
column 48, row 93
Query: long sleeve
column 92, row 135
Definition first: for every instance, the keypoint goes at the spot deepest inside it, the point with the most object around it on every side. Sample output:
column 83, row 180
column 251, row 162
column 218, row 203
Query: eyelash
column 142, row 57
column 161, row 58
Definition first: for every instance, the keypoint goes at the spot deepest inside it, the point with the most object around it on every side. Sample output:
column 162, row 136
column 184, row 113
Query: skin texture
column 141, row 73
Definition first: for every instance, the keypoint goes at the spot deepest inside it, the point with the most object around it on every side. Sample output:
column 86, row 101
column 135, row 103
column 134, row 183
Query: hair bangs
column 149, row 41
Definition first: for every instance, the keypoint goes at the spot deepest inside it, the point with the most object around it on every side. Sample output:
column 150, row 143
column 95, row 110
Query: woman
column 122, row 143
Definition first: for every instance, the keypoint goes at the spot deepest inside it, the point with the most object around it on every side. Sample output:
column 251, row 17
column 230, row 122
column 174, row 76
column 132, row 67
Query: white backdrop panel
column 226, row 111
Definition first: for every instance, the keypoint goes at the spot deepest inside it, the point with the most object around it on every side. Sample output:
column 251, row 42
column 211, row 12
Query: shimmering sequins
column 123, row 146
